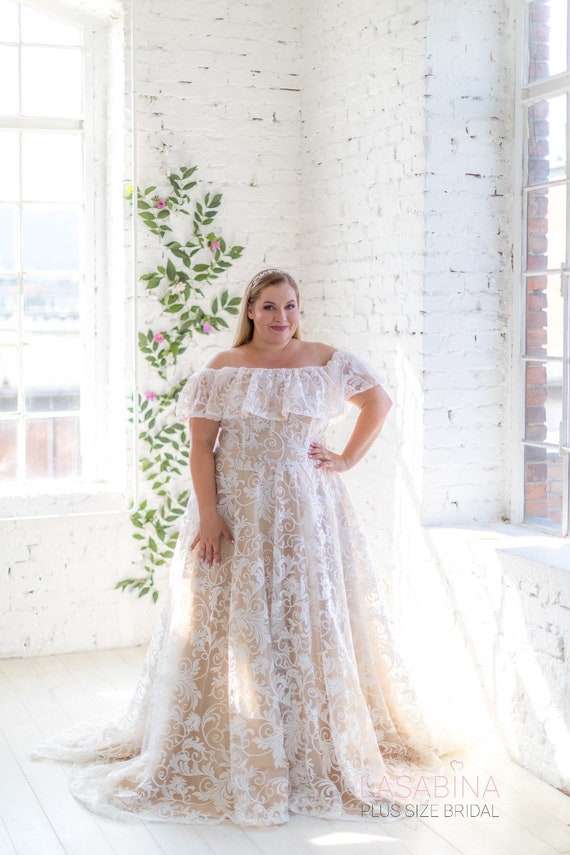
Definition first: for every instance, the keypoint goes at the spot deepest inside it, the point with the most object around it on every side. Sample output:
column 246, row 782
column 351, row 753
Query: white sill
column 46, row 499
column 537, row 547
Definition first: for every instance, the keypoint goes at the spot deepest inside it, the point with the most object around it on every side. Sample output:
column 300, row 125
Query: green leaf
column 170, row 270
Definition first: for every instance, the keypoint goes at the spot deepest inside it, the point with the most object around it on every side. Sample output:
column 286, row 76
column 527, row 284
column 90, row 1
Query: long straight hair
column 255, row 286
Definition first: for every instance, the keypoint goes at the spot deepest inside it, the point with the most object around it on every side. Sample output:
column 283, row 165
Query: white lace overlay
column 271, row 684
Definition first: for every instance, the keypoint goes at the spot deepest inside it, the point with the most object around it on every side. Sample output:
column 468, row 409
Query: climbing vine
column 184, row 284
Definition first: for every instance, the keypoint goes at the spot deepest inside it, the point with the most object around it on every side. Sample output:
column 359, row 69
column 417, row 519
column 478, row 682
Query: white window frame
column 526, row 94
column 107, row 439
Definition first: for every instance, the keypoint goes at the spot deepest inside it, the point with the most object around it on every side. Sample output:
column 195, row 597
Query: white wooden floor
column 38, row 816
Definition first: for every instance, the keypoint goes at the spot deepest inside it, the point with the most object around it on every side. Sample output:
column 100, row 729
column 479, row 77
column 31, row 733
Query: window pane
column 8, row 449
column 9, row 166
column 546, row 228
column 543, row 402
column 52, row 362
column 9, row 26
column 54, row 299
column 50, row 238
column 544, row 316
column 10, row 89
column 8, row 303
column 51, row 81
column 45, row 30
column 547, row 38
column 51, row 167
column 8, row 220
column 545, row 471
column 547, row 140
column 8, row 370
column 52, row 448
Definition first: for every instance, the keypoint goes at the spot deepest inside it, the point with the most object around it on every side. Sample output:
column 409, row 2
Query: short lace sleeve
column 198, row 398
column 355, row 374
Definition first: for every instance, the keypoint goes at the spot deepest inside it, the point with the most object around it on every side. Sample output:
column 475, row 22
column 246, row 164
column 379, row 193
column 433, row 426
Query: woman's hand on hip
column 323, row 458
column 212, row 529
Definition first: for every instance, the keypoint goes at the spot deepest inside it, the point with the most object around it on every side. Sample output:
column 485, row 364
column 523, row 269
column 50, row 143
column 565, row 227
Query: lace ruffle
column 317, row 391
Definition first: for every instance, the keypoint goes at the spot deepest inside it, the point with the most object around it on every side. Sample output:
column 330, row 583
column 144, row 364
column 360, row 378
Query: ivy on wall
column 185, row 285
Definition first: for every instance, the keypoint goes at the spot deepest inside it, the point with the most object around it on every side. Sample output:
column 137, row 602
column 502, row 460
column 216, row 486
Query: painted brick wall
column 363, row 221
column 469, row 89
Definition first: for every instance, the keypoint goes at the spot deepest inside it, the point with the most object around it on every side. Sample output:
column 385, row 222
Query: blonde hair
column 255, row 287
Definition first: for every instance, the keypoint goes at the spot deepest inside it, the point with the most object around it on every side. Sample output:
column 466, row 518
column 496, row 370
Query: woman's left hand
column 326, row 459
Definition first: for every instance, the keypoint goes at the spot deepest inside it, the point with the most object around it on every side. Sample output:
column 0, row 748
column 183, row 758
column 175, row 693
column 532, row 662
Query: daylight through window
column 545, row 266
column 41, row 245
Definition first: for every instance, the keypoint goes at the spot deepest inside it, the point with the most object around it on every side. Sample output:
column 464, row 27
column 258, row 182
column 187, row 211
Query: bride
column 271, row 685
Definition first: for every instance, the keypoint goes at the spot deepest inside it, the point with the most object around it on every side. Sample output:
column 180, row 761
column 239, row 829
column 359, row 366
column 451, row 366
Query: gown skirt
column 271, row 684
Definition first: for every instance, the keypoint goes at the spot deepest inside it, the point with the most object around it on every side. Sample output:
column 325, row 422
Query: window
column 41, row 254
column 63, row 330
column 545, row 266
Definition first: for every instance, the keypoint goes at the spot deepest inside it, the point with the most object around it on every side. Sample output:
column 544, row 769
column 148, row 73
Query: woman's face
column 275, row 314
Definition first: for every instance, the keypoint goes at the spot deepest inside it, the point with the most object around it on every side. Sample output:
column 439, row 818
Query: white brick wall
column 368, row 147
column 469, row 88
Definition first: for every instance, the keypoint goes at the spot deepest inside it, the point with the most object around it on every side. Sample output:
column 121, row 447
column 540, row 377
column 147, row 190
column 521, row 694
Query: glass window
column 546, row 260
column 42, row 212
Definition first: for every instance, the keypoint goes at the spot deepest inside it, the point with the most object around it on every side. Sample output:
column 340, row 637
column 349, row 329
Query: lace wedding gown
column 271, row 684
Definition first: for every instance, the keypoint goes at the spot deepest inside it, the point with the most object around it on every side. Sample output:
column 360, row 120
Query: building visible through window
column 545, row 266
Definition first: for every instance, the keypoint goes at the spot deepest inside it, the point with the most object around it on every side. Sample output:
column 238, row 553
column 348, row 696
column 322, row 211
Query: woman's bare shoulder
column 226, row 359
column 318, row 353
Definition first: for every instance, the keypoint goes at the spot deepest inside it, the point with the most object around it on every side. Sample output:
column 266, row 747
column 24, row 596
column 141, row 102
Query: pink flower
column 160, row 203
column 158, row 337
column 207, row 327
column 150, row 396
column 177, row 287
column 214, row 245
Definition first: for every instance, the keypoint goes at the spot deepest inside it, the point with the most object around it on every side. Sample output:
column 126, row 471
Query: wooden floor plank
column 419, row 839
column 283, row 839
column 75, row 828
column 29, row 829
column 534, row 790
column 542, row 810
column 227, row 839
column 177, row 838
column 489, row 836
column 6, row 845
column 337, row 837
column 42, row 694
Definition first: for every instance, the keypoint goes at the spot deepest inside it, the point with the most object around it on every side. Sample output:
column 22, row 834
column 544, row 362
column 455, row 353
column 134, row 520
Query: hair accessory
column 263, row 273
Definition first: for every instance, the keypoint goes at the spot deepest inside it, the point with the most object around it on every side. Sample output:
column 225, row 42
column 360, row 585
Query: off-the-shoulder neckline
column 282, row 368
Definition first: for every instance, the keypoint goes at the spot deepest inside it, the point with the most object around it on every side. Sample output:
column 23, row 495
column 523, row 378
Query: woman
column 271, row 684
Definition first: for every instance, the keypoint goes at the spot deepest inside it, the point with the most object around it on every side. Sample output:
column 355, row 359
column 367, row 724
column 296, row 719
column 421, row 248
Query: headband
column 259, row 276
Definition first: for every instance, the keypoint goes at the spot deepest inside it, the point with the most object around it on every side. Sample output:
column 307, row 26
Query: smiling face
column 275, row 314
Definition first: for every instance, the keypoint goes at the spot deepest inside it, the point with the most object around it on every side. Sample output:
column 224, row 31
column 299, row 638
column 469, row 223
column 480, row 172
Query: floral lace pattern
column 271, row 684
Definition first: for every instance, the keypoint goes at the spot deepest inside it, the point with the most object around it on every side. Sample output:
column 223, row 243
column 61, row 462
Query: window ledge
column 529, row 545
column 44, row 500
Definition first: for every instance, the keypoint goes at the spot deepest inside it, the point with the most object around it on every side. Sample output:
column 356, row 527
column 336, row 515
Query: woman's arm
column 374, row 406
column 204, row 433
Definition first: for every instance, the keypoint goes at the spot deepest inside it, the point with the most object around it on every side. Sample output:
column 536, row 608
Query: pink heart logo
column 456, row 765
